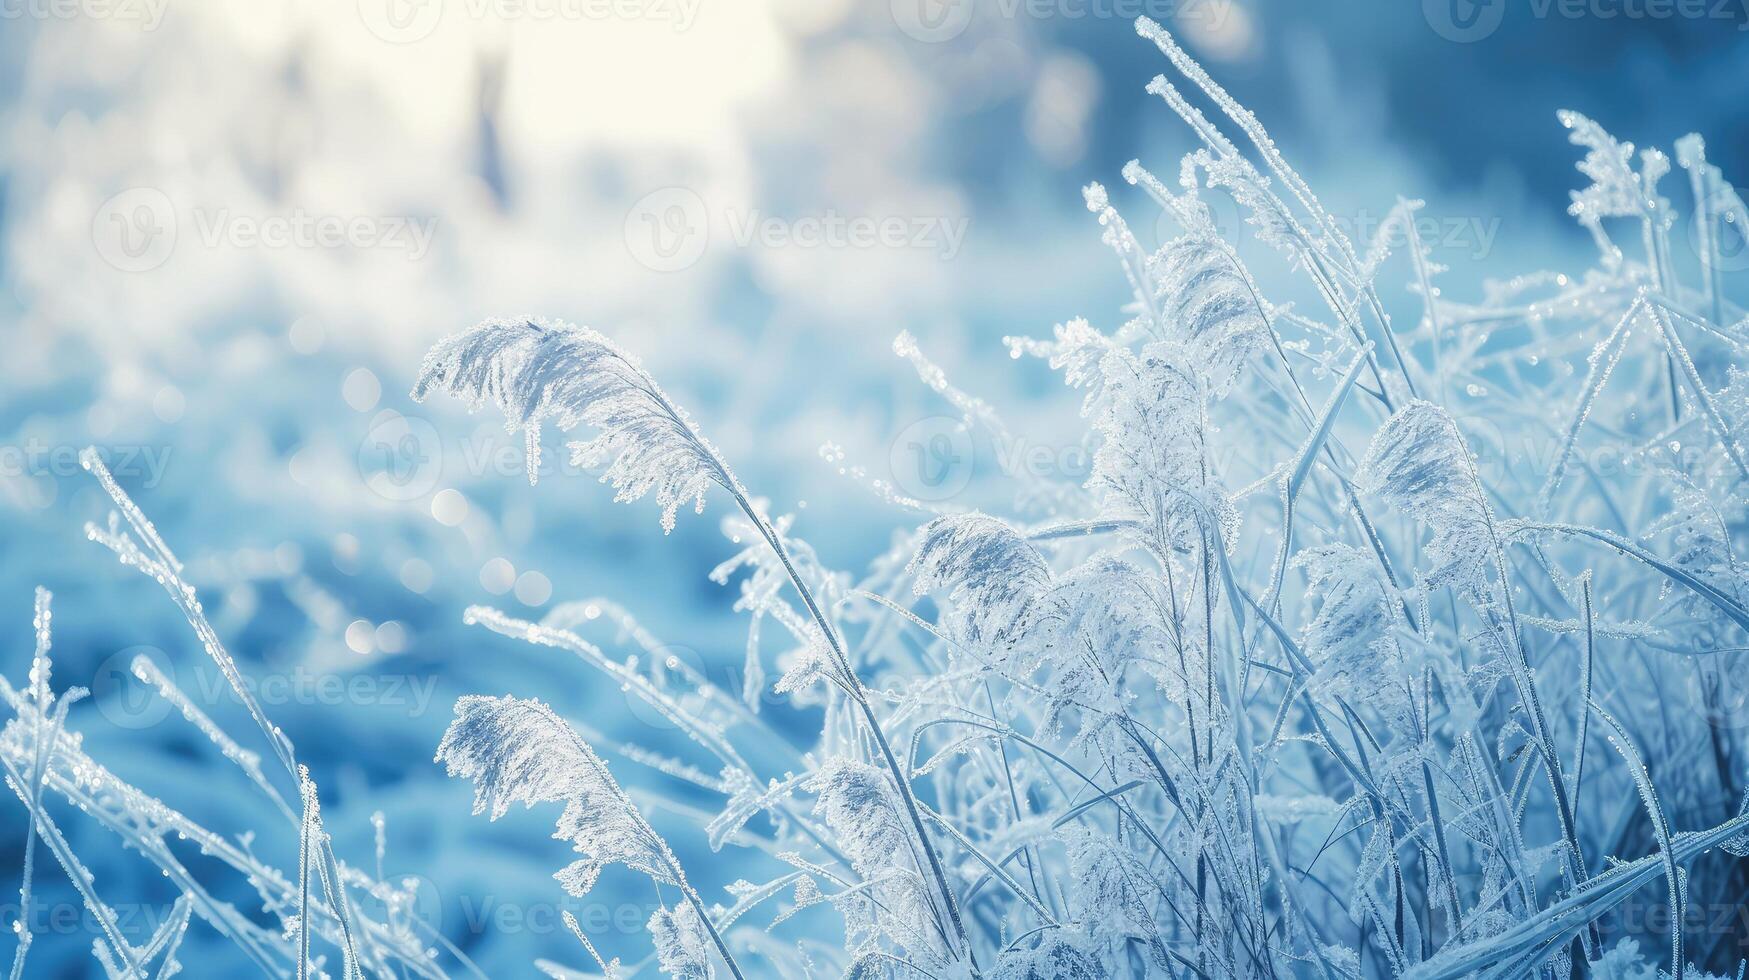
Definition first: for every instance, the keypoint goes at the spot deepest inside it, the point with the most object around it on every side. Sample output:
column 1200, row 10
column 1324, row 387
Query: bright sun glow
column 577, row 72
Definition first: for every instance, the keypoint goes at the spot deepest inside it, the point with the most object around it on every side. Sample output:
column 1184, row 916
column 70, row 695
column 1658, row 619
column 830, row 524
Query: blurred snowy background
column 231, row 229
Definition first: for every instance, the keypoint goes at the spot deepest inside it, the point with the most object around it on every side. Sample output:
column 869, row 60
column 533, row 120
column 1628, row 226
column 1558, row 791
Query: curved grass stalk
column 158, row 562
column 1727, row 605
column 1603, row 362
column 860, row 697
column 535, row 633
column 1519, row 947
column 1679, row 356
column 47, row 730
column 991, row 867
column 76, row 872
column 308, row 792
column 119, row 808
column 1618, row 738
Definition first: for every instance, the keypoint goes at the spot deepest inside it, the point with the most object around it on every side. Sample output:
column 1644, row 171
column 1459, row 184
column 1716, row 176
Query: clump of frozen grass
column 324, row 908
column 1334, row 704
column 1295, row 685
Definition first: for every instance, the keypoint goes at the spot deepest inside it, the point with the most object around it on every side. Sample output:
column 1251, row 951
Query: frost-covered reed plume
column 1296, row 684
column 333, row 919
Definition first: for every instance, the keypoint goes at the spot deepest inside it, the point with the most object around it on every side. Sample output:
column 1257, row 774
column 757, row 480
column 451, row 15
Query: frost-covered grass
column 1297, row 684
column 363, row 919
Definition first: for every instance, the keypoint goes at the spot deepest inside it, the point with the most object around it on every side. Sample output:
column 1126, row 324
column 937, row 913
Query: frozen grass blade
column 1619, row 740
